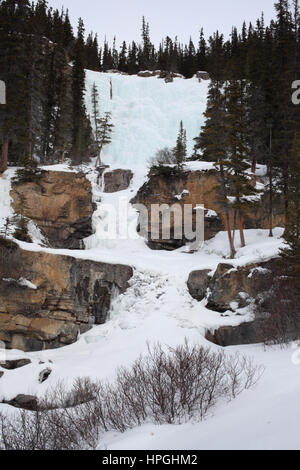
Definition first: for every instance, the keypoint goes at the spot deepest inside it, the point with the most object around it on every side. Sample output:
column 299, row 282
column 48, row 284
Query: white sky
column 166, row 17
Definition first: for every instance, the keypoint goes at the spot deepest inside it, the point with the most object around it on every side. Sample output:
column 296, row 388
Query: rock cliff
column 196, row 188
column 60, row 204
column 47, row 299
column 243, row 290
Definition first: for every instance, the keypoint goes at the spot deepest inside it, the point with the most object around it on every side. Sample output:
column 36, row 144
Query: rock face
column 25, row 402
column 246, row 333
column 232, row 289
column 198, row 283
column 14, row 364
column 117, row 180
column 196, row 188
column 60, row 204
column 63, row 298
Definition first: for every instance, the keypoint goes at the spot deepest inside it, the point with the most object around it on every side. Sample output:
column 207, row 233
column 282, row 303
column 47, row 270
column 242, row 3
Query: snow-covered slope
column 157, row 307
column 146, row 113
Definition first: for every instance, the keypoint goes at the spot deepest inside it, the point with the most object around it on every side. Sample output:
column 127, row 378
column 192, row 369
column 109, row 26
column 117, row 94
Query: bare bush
column 165, row 386
column 163, row 156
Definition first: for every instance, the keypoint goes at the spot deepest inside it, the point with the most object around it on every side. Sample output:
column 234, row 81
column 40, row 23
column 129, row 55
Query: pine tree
column 105, row 130
column 180, row 151
column 96, row 115
column 78, row 89
column 213, row 143
column 237, row 163
column 123, row 67
column 291, row 253
column 145, row 59
column 202, row 53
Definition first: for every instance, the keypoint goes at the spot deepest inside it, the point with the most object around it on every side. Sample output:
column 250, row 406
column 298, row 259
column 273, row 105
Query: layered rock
column 243, row 290
column 117, row 180
column 60, row 204
column 198, row 188
column 62, row 297
column 234, row 288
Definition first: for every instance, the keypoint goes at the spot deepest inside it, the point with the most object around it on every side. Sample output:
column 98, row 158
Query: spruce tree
column 291, row 253
column 237, row 163
column 78, row 89
column 105, row 128
column 180, row 151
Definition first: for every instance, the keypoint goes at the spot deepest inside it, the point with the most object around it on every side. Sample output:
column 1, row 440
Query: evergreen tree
column 105, row 130
column 180, row 151
column 291, row 253
column 78, row 89
column 96, row 116
column 237, row 163
column 123, row 67
column 213, row 142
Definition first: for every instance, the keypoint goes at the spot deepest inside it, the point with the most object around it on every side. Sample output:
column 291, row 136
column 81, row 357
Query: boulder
column 198, row 283
column 25, row 402
column 246, row 333
column 44, row 375
column 254, row 286
column 233, row 288
column 14, row 364
column 60, row 204
column 145, row 74
column 70, row 296
column 117, row 180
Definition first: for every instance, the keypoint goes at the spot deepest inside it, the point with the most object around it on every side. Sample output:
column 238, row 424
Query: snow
column 265, row 418
column 211, row 213
column 22, row 282
column 157, row 306
column 25, row 283
column 5, row 199
column 146, row 113
column 185, row 192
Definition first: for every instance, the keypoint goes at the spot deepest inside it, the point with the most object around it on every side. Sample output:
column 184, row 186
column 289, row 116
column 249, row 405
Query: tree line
column 251, row 119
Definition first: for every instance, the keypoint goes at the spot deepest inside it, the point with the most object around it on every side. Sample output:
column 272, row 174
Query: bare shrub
column 165, row 386
column 163, row 156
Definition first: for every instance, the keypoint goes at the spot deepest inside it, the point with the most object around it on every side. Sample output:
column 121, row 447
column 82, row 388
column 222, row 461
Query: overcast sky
column 166, row 17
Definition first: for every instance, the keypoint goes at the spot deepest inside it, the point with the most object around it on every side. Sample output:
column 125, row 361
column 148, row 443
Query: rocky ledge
column 60, row 204
column 167, row 186
column 247, row 290
column 47, row 300
column 117, row 180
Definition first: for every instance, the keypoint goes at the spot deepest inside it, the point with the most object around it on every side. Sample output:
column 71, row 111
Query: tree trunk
column 231, row 243
column 286, row 203
column 271, row 201
column 3, row 165
column 98, row 161
column 254, row 162
column 241, row 219
column 228, row 226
